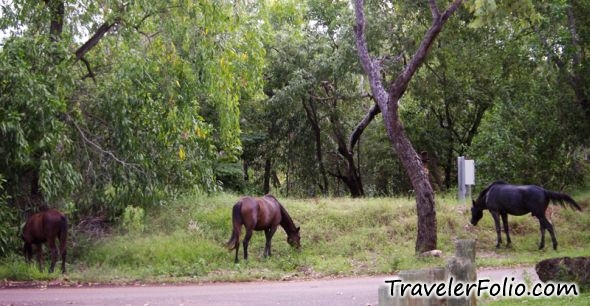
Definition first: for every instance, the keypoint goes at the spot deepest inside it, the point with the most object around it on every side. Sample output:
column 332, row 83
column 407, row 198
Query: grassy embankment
column 185, row 242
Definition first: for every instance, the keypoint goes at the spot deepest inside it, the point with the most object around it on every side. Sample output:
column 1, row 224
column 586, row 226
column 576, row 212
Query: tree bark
column 267, row 173
column 57, row 11
column 388, row 100
column 574, row 78
column 312, row 117
column 345, row 149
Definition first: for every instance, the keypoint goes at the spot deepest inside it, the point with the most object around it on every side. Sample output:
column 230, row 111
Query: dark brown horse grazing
column 45, row 227
column 261, row 214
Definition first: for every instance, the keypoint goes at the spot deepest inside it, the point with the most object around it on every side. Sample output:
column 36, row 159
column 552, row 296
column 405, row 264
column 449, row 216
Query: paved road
column 345, row 291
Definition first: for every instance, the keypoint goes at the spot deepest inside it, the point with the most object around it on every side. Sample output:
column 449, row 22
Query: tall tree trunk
column 36, row 197
column 312, row 117
column 267, row 174
column 570, row 67
column 57, row 11
column 352, row 177
column 388, row 103
column 412, row 163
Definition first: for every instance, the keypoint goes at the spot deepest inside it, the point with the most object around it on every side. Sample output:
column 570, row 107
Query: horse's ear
column 298, row 228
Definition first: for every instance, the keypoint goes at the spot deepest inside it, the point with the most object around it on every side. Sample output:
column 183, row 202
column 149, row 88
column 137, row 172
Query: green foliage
column 492, row 11
column 138, row 117
column 231, row 176
column 133, row 220
column 9, row 229
column 9, row 232
column 549, row 159
column 34, row 93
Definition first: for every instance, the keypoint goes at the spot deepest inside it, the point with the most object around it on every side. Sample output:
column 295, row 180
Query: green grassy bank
column 184, row 241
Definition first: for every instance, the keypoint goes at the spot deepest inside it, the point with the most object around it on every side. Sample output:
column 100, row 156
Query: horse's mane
column 484, row 192
column 285, row 217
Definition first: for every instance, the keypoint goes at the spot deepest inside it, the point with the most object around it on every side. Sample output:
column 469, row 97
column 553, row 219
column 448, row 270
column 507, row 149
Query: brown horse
column 261, row 214
column 44, row 227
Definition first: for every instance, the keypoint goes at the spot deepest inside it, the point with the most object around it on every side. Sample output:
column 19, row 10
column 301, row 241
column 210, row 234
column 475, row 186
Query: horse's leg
column 53, row 250
column 267, row 245
column 269, row 233
column 28, row 249
column 246, row 241
column 498, row 231
column 237, row 249
column 545, row 224
column 39, row 250
column 506, row 230
column 63, row 251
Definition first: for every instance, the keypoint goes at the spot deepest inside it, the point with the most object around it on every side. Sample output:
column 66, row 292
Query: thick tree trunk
column 425, row 205
column 388, row 103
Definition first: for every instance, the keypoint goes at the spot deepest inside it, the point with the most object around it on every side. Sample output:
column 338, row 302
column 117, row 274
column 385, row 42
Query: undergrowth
column 185, row 242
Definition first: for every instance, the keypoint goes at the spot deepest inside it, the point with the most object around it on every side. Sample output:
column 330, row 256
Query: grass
column 185, row 242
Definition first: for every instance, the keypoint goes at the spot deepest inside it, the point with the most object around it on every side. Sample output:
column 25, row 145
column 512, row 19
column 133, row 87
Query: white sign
column 469, row 172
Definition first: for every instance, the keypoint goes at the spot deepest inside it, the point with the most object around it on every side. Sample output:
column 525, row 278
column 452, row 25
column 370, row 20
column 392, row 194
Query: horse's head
column 294, row 239
column 476, row 213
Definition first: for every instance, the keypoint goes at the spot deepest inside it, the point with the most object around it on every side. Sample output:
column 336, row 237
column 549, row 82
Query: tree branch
column 98, row 147
column 434, row 9
column 571, row 20
column 371, row 68
column 360, row 127
column 93, row 41
column 400, row 84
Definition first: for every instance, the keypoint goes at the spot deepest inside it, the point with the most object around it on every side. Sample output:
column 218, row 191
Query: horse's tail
column 237, row 225
column 561, row 198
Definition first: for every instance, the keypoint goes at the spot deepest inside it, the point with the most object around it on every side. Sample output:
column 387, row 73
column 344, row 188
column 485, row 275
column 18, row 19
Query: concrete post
column 462, row 268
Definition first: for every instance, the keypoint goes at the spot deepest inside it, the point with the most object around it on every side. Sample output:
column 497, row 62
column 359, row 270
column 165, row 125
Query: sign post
column 461, row 179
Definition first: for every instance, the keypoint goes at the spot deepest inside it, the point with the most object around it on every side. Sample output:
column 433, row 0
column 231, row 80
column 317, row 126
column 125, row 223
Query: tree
column 548, row 126
column 311, row 77
column 468, row 72
column 562, row 29
column 122, row 103
column 387, row 102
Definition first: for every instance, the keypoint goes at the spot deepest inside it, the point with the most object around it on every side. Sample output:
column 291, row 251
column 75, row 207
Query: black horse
column 503, row 199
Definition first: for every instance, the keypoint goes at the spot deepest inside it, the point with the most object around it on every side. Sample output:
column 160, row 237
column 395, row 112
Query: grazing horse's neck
column 481, row 198
column 286, row 221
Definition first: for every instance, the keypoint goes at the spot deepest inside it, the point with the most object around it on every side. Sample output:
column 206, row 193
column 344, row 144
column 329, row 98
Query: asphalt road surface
column 343, row 291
